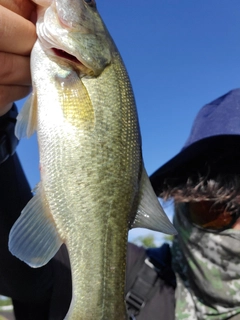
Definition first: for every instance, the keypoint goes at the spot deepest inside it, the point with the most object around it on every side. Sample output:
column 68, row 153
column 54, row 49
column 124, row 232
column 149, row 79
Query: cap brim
column 193, row 156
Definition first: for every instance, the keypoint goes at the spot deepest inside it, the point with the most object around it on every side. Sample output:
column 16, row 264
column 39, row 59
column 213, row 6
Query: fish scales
column 99, row 180
column 93, row 183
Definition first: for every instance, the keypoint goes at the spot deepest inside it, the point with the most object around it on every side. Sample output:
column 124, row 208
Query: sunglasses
column 210, row 216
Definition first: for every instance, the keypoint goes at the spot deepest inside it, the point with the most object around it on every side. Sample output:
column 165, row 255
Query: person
column 203, row 179
column 198, row 278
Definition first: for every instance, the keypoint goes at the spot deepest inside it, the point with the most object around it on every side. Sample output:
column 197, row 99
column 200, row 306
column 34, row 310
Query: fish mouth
column 65, row 55
column 76, row 63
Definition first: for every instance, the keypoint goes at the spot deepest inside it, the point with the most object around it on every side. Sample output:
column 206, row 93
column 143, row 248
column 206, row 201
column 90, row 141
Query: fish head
column 74, row 31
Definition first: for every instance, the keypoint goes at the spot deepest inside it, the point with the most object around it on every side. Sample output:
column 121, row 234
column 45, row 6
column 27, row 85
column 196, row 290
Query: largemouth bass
column 93, row 183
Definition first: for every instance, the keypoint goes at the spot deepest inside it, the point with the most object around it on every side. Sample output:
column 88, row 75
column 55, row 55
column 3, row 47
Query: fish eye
column 91, row 3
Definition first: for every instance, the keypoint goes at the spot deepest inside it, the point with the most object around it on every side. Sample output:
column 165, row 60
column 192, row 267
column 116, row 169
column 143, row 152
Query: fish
column 94, row 186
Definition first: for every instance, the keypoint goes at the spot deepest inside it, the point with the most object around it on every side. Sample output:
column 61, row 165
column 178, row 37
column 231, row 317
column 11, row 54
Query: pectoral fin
column 150, row 214
column 34, row 238
column 27, row 118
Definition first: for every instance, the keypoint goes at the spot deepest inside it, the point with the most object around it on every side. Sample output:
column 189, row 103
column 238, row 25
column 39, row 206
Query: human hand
column 17, row 36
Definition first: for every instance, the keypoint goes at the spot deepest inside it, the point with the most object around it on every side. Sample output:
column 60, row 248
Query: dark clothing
column 14, row 194
column 161, row 303
column 34, row 291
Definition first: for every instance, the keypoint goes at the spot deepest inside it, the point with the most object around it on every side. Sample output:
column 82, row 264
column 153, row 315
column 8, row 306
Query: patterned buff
column 207, row 266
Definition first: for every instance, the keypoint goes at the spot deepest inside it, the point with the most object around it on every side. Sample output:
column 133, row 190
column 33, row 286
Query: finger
column 24, row 8
column 15, row 69
column 17, row 35
column 8, row 94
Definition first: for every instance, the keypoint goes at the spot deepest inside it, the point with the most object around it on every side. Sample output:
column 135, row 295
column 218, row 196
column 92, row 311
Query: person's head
column 203, row 179
column 206, row 172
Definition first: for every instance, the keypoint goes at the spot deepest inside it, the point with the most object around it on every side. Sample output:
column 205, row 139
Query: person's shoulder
column 150, row 283
column 134, row 253
column 134, row 249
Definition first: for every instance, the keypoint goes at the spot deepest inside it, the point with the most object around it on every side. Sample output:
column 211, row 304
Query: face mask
column 207, row 267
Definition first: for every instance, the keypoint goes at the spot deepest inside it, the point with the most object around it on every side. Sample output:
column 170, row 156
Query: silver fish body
column 93, row 183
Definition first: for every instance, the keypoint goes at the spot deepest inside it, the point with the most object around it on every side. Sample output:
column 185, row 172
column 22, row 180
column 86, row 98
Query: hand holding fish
column 17, row 36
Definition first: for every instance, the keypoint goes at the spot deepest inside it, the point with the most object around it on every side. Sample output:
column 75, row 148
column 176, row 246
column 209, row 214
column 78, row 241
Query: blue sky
column 180, row 55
